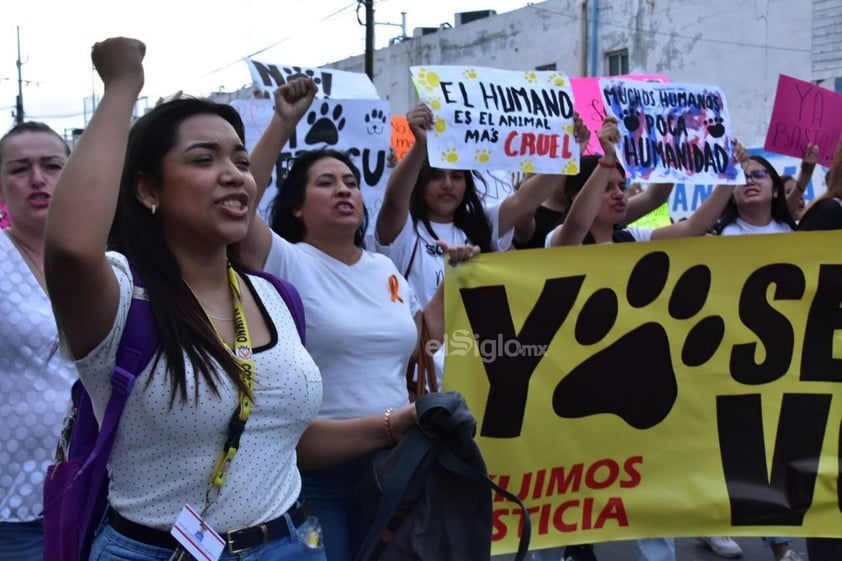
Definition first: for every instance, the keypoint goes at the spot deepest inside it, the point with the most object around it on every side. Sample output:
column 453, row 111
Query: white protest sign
column 672, row 132
column 486, row 118
column 358, row 127
column 331, row 83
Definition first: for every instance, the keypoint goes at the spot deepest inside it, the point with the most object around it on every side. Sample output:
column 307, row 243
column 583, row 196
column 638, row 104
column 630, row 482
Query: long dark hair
column 469, row 217
column 181, row 323
column 780, row 208
column 293, row 190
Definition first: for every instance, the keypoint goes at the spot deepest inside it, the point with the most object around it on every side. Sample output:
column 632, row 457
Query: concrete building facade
column 740, row 46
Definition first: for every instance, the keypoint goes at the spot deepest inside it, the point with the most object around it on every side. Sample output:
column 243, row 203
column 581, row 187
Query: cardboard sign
column 804, row 114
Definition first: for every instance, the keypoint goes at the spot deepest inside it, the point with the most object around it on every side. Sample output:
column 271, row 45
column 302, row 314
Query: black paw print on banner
column 643, row 392
column 325, row 125
column 293, row 72
column 715, row 127
column 631, row 120
column 375, row 123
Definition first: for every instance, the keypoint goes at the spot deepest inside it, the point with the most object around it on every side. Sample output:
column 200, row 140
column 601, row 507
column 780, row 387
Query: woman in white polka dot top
column 35, row 379
column 185, row 193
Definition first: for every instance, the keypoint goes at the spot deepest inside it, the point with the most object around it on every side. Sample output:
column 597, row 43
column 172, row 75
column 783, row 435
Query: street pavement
column 686, row 549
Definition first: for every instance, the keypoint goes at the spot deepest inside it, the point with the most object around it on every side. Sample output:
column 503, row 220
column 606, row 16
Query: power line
column 275, row 44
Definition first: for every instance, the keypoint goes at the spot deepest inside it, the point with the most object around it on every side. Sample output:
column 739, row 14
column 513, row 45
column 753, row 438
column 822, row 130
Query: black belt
column 235, row 540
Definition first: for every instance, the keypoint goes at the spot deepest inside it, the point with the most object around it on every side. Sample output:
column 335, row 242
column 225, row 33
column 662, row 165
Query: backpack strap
column 449, row 461
column 415, row 445
column 412, row 256
column 137, row 347
column 291, row 298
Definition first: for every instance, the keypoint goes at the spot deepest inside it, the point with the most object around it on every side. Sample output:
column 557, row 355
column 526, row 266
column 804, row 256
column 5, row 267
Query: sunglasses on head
column 757, row 174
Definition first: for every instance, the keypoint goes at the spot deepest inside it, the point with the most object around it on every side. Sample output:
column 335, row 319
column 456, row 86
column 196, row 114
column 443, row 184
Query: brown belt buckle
column 230, row 536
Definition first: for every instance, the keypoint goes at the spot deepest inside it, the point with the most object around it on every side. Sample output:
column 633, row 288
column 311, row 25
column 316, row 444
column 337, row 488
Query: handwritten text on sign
column 361, row 128
column 804, row 114
column 672, row 132
column 487, row 118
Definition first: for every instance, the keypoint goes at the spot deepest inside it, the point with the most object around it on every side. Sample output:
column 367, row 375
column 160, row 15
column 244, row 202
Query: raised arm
column 291, row 102
column 648, row 200
column 395, row 207
column 81, row 283
column 521, row 205
column 808, row 164
column 586, row 205
column 700, row 222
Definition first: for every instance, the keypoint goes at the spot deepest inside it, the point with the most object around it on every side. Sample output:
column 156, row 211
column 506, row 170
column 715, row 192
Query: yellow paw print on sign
column 526, row 166
column 428, row 80
column 530, row 76
column 440, row 126
column 572, row 168
column 450, row 156
column 483, row 155
column 470, row 74
column 557, row 79
column 435, row 103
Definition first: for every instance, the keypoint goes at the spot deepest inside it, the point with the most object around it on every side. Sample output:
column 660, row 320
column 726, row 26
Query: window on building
column 617, row 62
column 550, row 66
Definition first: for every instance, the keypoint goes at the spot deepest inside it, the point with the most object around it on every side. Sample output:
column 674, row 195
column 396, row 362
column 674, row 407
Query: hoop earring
column 154, row 209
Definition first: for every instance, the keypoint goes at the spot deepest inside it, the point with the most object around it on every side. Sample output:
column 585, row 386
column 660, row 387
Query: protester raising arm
column 601, row 204
column 291, row 102
column 82, row 207
column 516, row 209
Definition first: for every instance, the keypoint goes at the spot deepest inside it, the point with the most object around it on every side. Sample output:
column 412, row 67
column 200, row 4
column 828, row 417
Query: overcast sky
column 191, row 45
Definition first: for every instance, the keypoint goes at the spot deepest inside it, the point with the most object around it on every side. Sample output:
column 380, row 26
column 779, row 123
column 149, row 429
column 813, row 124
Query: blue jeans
column 331, row 496
column 22, row 541
column 110, row 545
column 775, row 541
column 656, row 549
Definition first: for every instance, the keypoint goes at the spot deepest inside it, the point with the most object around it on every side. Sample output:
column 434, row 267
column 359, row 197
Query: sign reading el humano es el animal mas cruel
column 485, row 118
column 675, row 388
column 673, row 133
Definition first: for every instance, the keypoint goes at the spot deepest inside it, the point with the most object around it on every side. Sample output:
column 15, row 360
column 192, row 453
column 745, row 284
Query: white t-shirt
column 427, row 270
column 360, row 337
column 740, row 227
column 35, row 383
column 639, row 233
column 163, row 456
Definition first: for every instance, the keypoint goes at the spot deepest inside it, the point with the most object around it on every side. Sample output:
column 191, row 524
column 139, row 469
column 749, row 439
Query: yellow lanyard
column 243, row 355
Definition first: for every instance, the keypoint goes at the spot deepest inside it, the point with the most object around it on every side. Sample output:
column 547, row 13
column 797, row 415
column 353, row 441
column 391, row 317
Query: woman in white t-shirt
column 423, row 205
column 35, row 379
column 185, row 196
column 362, row 315
column 758, row 207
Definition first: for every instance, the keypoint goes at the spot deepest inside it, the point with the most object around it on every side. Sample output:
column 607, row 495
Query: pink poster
column 588, row 102
column 804, row 113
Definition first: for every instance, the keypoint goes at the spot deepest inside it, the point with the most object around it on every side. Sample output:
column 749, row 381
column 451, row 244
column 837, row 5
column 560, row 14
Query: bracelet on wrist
column 605, row 164
column 387, row 423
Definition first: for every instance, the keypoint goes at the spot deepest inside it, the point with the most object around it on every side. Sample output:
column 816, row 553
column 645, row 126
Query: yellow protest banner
column 678, row 388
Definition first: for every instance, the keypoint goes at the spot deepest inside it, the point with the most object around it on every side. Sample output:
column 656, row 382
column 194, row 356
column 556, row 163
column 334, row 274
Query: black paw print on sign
column 644, row 390
column 715, row 127
column 631, row 120
column 325, row 125
column 375, row 123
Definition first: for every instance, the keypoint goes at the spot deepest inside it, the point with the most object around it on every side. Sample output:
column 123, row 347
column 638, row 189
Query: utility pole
column 369, row 38
column 19, row 104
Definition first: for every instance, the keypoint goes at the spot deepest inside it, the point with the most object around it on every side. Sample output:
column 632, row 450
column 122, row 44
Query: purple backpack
column 76, row 490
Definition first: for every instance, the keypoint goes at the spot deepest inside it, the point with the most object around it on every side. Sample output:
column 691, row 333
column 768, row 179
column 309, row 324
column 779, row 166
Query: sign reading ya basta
column 679, row 388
